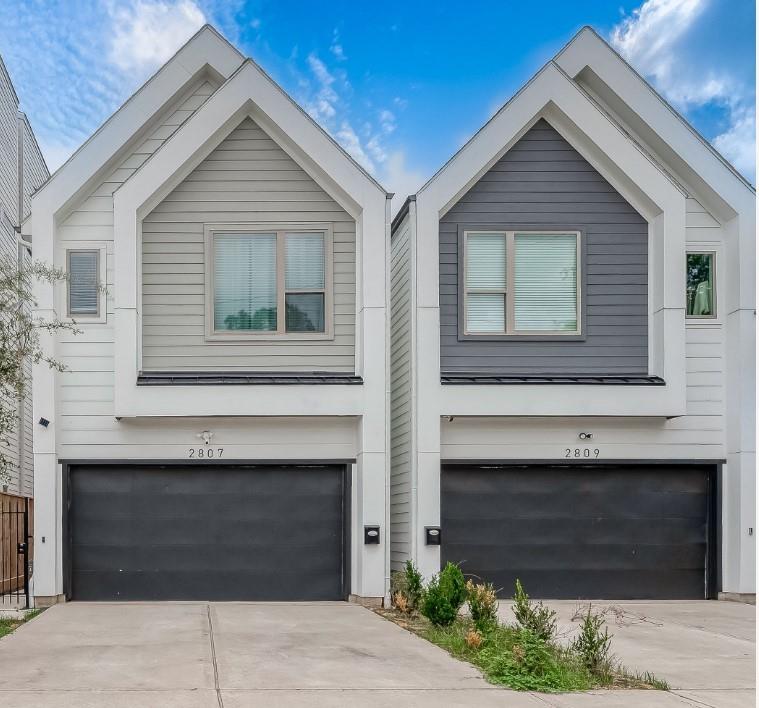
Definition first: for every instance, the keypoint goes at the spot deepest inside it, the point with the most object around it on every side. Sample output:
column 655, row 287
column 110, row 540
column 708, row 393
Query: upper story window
column 83, row 269
column 522, row 283
column 699, row 285
column 269, row 283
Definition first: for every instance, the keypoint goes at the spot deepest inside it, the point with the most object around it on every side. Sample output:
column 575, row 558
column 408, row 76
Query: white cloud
column 654, row 39
column 347, row 137
column 398, row 177
column 146, row 33
column 737, row 143
column 336, row 47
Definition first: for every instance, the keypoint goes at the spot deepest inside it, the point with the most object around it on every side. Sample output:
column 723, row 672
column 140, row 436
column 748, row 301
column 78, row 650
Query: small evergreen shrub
column 483, row 605
column 592, row 644
column 444, row 596
column 533, row 616
column 414, row 585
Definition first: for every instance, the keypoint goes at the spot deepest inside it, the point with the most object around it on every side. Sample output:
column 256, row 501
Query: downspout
column 388, row 396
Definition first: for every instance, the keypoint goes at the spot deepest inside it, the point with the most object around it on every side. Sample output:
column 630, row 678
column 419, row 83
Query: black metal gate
column 15, row 542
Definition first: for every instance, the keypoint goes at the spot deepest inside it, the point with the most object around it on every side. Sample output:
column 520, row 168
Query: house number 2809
column 582, row 452
column 205, row 453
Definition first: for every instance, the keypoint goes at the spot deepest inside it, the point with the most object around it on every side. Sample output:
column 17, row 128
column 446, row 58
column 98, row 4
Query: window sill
column 235, row 337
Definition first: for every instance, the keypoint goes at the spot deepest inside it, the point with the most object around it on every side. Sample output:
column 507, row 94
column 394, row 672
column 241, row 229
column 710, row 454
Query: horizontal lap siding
column 543, row 182
column 700, row 434
column 400, row 363
column 248, row 178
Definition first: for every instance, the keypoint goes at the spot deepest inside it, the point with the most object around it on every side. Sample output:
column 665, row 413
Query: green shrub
column 483, row 605
column 414, row 586
column 592, row 644
column 444, row 596
column 531, row 664
column 533, row 616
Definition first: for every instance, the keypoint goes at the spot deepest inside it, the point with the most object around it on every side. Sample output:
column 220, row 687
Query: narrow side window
column 83, row 267
column 699, row 285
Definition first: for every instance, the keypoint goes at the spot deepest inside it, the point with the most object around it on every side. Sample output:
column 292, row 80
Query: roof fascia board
column 207, row 50
column 550, row 87
column 588, row 49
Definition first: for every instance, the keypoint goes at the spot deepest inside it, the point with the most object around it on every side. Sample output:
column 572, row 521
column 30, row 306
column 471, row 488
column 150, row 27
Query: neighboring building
column 22, row 171
column 573, row 300
column 221, row 431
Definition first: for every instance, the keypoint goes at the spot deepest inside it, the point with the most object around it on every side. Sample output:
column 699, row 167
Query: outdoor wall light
column 371, row 535
column 585, row 436
column 44, row 422
column 432, row 535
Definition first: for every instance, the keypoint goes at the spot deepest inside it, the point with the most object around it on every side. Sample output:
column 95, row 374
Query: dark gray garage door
column 602, row 531
column 206, row 532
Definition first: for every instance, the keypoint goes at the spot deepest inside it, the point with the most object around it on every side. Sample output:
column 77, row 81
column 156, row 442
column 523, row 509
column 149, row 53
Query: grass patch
column 8, row 625
column 515, row 657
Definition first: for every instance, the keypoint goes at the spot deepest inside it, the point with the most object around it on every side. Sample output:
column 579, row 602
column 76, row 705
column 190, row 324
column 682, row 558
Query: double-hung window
column 521, row 283
column 268, row 283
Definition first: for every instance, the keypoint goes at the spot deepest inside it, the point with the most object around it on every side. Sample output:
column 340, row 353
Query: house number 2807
column 581, row 452
column 205, row 453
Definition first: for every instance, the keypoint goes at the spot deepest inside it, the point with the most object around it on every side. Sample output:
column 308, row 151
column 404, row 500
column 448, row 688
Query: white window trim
column 508, row 291
column 100, row 248
column 213, row 335
column 704, row 251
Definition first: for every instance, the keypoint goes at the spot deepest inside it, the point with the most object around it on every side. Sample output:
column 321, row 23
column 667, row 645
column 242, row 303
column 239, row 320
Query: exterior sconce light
column 585, row 436
column 432, row 535
column 371, row 535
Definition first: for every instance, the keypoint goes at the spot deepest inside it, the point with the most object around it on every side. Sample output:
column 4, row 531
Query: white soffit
column 618, row 83
column 206, row 52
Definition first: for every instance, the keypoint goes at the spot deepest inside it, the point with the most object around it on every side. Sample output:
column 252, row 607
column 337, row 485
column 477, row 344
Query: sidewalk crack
column 219, row 699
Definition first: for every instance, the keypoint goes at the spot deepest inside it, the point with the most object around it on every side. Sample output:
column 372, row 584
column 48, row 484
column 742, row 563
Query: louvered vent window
column 83, row 293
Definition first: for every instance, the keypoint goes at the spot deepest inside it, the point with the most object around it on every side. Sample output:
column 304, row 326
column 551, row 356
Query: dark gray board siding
column 543, row 182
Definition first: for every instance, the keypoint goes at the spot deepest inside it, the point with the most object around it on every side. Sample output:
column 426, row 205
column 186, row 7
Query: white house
column 221, row 430
column 573, row 300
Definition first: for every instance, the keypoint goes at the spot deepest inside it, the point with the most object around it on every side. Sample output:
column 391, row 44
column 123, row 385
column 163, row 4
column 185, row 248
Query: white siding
column 248, row 178
column 700, row 434
column 84, row 411
column 400, row 381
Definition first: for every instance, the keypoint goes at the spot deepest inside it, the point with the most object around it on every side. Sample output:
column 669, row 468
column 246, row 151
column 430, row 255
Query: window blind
column 83, row 282
column 245, row 282
column 304, row 272
column 545, row 282
column 486, row 271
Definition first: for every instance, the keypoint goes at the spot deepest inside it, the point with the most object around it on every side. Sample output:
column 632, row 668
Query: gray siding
column 248, row 178
column 400, row 382
column 34, row 172
column 8, row 146
column 543, row 182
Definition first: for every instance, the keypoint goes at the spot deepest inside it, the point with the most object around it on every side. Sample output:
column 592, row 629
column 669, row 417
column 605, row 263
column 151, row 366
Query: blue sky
column 401, row 86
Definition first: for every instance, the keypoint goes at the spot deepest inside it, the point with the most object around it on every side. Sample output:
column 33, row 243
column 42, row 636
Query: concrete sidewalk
column 235, row 655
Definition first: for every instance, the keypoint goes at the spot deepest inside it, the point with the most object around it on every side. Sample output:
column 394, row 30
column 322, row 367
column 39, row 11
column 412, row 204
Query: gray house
column 572, row 348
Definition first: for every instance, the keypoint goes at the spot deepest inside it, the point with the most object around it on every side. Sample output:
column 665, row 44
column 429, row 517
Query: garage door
column 616, row 532
column 206, row 532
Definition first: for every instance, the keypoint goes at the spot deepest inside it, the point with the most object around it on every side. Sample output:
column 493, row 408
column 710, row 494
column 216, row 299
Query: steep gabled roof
column 588, row 50
column 206, row 51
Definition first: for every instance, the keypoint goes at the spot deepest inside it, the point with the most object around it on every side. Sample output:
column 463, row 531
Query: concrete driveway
column 196, row 655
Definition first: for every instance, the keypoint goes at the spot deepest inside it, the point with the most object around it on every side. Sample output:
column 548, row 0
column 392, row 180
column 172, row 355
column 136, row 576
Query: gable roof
column 205, row 51
column 587, row 48
column 579, row 52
